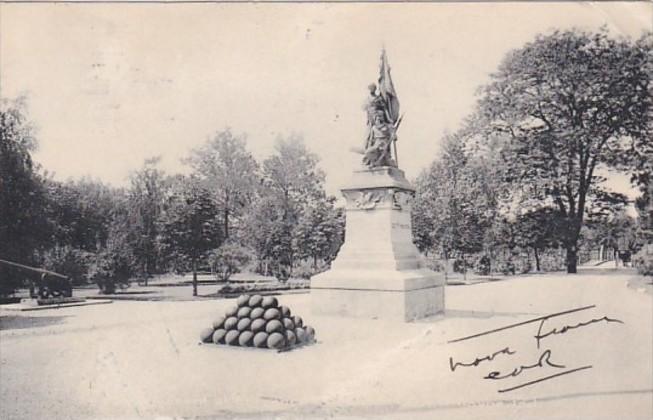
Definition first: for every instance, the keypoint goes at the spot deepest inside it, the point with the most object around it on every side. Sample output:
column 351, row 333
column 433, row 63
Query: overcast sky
column 109, row 85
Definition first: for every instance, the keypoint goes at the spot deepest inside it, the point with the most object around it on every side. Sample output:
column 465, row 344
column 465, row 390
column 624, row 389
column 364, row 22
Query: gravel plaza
column 144, row 360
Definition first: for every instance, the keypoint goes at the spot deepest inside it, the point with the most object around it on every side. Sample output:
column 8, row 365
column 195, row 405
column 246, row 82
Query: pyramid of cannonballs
column 260, row 322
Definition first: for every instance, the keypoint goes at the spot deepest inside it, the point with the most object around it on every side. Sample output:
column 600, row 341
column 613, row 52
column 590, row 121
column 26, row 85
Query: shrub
column 229, row 259
column 281, row 272
column 483, row 265
column 643, row 261
column 112, row 269
column 71, row 262
column 459, row 265
column 507, row 267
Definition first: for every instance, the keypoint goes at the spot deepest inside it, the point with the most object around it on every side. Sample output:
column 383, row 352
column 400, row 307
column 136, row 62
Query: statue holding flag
column 383, row 120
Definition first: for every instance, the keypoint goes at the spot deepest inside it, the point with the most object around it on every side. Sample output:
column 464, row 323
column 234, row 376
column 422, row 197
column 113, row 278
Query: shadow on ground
column 14, row 322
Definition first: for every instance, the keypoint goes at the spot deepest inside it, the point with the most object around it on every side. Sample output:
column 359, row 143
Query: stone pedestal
column 378, row 272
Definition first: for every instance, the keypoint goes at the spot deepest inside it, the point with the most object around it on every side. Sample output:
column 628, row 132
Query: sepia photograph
column 326, row 209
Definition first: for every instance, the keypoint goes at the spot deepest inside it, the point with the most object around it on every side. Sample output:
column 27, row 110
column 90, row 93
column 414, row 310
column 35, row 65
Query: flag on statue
column 387, row 89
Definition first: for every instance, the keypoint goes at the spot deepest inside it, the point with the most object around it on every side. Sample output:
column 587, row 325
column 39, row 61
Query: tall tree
column 571, row 102
column 291, row 181
column 319, row 231
column 146, row 198
column 455, row 202
column 643, row 174
column 81, row 212
column 189, row 222
column 229, row 171
column 23, row 226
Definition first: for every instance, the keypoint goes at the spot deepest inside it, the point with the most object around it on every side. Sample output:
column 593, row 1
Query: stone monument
column 378, row 272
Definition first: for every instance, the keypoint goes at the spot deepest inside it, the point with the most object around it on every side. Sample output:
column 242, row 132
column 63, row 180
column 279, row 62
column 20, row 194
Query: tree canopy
column 570, row 103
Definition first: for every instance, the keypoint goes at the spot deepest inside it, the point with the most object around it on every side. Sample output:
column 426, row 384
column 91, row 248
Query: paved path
column 142, row 359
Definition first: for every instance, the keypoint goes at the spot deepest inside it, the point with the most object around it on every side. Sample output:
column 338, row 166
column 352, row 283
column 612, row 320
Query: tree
column 538, row 230
column 319, row 231
column 571, row 102
column 80, row 212
column 24, row 228
column 456, row 201
column 642, row 176
column 229, row 171
column 292, row 180
column 146, row 198
column 116, row 263
column 617, row 232
column 644, row 206
column 189, row 222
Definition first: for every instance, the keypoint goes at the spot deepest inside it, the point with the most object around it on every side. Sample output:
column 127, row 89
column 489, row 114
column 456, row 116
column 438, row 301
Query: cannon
column 52, row 286
column 49, row 283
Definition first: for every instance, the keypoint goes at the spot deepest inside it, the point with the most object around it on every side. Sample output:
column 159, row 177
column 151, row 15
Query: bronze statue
column 383, row 120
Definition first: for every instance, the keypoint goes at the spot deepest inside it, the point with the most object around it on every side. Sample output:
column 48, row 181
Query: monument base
column 401, row 296
column 378, row 272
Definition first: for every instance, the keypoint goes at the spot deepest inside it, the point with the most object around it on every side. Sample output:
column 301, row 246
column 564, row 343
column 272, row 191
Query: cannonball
column 232, row 338
column 244, row 312
column 276, row 341
column 218, row 336
column 269, row 302
column 285, row 311
column 246, row 338
column 288, row 324
column 298, row 321
column 261, row 339
column 243, row 324
column 291, row 338
column 218, row 322
column 242, row 300
column 271, row 313
column 274, row 326
column 310, row 334
column 230, row 323
column 231, row 312
column 206, row 335
column 255, row 301
column 257, row 325
column 256, row 313
column 300, row 333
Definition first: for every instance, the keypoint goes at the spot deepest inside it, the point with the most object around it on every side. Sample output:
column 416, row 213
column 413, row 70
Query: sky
column 109, row 85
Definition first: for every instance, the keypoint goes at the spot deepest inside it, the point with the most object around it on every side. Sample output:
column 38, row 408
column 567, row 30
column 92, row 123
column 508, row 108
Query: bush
column 112, row 269
column 459, row 265
column 643, row 261
column 281, row 272
column 507, row 267
column 483, row 265
column 71, row 262
column 229, row 259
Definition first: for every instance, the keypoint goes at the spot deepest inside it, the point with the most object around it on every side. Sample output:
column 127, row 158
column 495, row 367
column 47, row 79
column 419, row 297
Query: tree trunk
column 226, row 223
column 464, row 268
column 572, row 258
column 194, row 276
column 537, row 260
column 145, row 270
